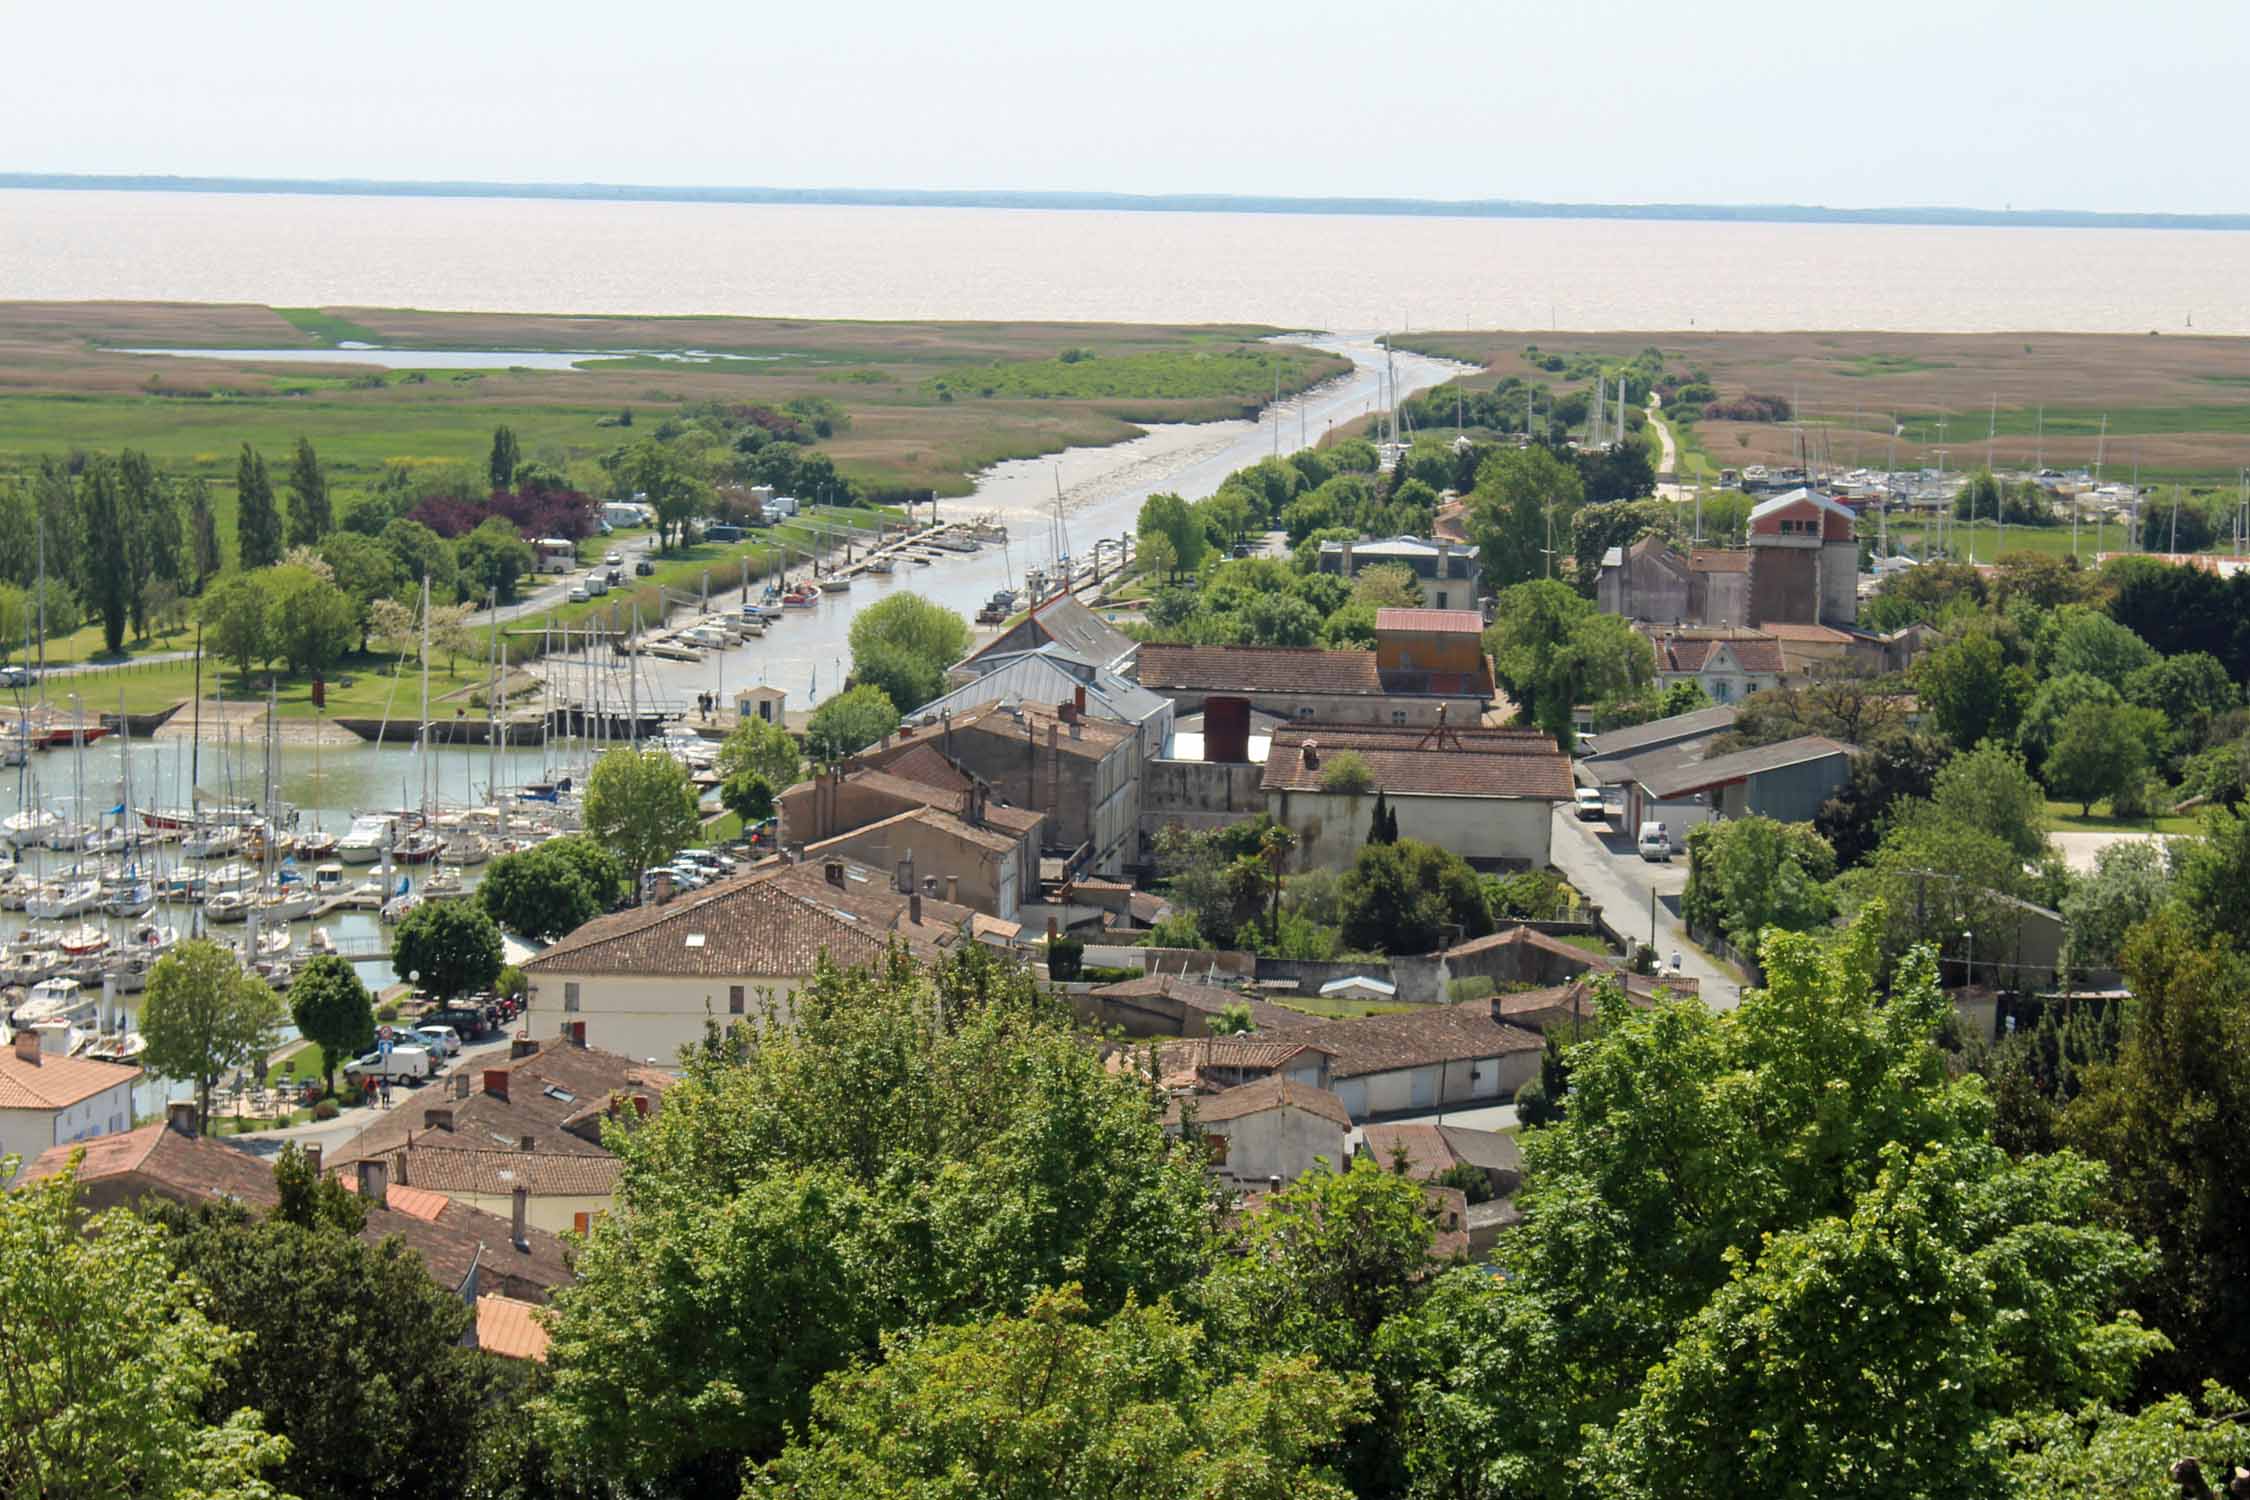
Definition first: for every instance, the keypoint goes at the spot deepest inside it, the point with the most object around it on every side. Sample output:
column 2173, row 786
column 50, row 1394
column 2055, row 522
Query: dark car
column 644, row 567
column 471, row 1021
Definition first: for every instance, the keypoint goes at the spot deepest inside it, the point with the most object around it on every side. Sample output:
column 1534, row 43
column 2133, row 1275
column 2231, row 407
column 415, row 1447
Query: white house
column 1488, row 795
column 1434, row 1057
column 47, row 1100
column 1271, row 1128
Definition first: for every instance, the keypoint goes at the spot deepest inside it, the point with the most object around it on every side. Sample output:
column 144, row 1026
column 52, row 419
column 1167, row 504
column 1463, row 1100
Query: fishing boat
column 445, row 880
column 837, row 583
column 878, row 565
column 27, row 963
column 463, row 847
column 55, row 1000
column 395, row 909
column 673, row 651
column 119, row 1047
column 64, row 899
column 705, row 637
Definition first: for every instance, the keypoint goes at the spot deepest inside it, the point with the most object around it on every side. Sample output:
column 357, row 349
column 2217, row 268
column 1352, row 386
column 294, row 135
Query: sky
column 1969, row 103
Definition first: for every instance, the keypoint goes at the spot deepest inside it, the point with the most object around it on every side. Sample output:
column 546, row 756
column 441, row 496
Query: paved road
column 2080, row 850
column 334, row 1136
column 1671, row 460
column 1601, row 862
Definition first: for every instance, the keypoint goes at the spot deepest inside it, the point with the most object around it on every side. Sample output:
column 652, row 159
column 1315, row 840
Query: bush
column 2145, row 797
column 326, row 1109
column 1347, row 773
column 1533, row 1107
column 1473, row 987
column 387, row 1013
column 1066, row 959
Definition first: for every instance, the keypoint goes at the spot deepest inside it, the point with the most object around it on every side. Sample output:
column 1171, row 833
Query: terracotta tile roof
column 924, row 765
column 903, row 824
column 1681, row 653
column 556, row 1096
column 451, row 1238
column 510, row 1328
column 1038, row 723
column 1210, row 1000
column 1423, row 1147
column 1430, row 621
column 1258, row 1097
column 57, row 1082
column 1476, row 764
column 1818, row 635
column 1148, row 908
column 775, row 921
column 494, row 1173
column 1181, row 1063
column 1713, row 560
column 1258, row 669
column 1415, row 1038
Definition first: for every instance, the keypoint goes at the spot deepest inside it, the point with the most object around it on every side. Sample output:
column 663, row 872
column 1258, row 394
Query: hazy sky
column 2030, row 103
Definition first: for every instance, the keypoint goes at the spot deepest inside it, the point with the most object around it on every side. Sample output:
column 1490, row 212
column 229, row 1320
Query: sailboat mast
column 425, row 734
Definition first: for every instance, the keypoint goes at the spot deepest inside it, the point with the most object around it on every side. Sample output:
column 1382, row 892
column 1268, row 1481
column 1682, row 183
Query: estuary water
column 1290, row 270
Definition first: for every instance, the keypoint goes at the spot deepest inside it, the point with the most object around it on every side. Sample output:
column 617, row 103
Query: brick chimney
column 374, row 1181
column 27, row 1046
column 530, row 1144
column 1312, row 755
column 1078, row 700
column 906, row 873
column 496, row 1082
column 521, row 1046
column 834, row 871
column 953, row 889
column 438, row 1119
column 179, row 1116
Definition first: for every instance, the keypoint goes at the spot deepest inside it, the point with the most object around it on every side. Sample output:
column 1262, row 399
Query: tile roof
column 1414, row 1038
column 1491, row 764
column 1791, row 497
column 1094, row 739
column 550, row 1094
column 777, row 921
column 1714, row 560
column 447, row 1168
column 903, row 824
column 510, row 1328
column 924, row 765
column 451, row 1238
column 1210, row 1000
column 1445, row 621
column 1257, row 1097
column 1693, row 653
column 1688, row 778
column 57, row 1082
column 1258, row 669
column 1181, row 1063
column 1520, row 936
column 1791, row 630
column 1431, row 1149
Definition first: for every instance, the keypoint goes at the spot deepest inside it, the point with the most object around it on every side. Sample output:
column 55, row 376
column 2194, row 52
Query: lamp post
column 1969, row 963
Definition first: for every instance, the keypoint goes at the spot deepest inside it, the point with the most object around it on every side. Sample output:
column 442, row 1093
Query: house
column 1520, row 955
column 1434, row 1057
column 465, row 1251
column 1606, row 756
column 649, row 980
column 1211, row 1064
column 1447, row 572
column 1648, row 580
column 1170, row 1005
column 1729, row 665
column 1433, row 1150
column 1719, row 586
column 1403, row 682
column 1083, row 775
column 1488, row 795
column 981, row 866
column 1055, row 674
column 762, row 703
column 880, row 784
column 1786, row 781
column 1804, row 560
column 1060, row 621
column 1274, row 1129
column 532, row 1122
column 48, row 1100
column 1809, row 649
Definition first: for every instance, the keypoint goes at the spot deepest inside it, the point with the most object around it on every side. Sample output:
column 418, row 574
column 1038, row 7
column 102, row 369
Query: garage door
column 1425, row 1088
column 1352, row 1094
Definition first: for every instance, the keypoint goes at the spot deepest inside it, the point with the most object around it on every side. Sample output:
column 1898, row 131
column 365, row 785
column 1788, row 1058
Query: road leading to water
column 807, row 652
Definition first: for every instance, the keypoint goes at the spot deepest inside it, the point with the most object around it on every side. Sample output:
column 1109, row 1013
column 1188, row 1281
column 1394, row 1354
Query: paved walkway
column 1602, row 863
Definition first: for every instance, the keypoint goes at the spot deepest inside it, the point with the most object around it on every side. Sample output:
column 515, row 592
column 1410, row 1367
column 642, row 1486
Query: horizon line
column 1930, row 216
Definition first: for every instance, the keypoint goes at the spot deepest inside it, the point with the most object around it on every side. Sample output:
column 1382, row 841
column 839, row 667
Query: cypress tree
column 257, row 525
column 202, row 535
column 1378, row 831
column 138, row 499
column 109, row 568
column 309, row 518
column 504, row 458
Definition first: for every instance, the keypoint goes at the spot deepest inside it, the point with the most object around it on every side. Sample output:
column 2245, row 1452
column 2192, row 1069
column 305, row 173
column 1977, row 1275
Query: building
column 831, row 803
column 1304, row 682
column 1804, row 560
column 981, row 866
column 48, row 1100
column 1170, row 1005
column 467, row 1252
column 1787, row 782
column 1061, row 621
column 1604, row 757
column 1729, row 665
column 534, row 1122
column 1646, row 581
column 1433, row 1150
column 761, row 702
column 1435, row 1057
column 1055, row 674
column 1447, row 572
column 1719, row 586
column 1274, row 1129
column 1083, row 775
column 650, row 980
column 1431, row 651
column 1486, row 794
column 510, row 1328
column 1210, row 1064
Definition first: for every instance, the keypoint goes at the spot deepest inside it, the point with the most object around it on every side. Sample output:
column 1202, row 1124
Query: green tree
column 505, row 456
column 2128, row 884
column 539, row 893
column 151, row 524
column 673, row 486
column 257, row 524
column 1530, row 623
column 2051, row 706
column 204, row 1016
column 1899, row 768
column 1748, row 874
column 1081, row 1410
column 452, row 945
column 1169, row 517
column 1602, row 660
column 763, row 748
column 1988, row 789
column 2101, row 752
column 309, row 621
column 310, row 519
column 358, row 1359
column 849, row 722
column 1523, row 505
column 904, row 645
column 1971, row 691
column 1410, row 897
column 108, row 1358
column 2086, row 640
column 489, row 560
column 204, row 557
column 421, row 553
column 2211, row 874
column 641, row 807
column 332, row 1010
column 108, row 569
column 2192, row 691
column 365, row 570
column 892, row 1154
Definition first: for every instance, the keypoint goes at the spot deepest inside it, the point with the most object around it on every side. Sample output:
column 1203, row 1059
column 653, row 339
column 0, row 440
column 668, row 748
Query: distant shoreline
column 1484, row 208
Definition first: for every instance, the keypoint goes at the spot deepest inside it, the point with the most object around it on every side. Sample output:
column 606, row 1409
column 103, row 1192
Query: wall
column 1787, row 794
column 1198, row 795
column 1839, row 582
column 989, row 881
column 28, row 1132
column 556, row 1213
column 648, row 1018
column 1717, row 598
column 1429, row 651
column 1088, row 800
column 1281, row 1142
column 1331, row 827
column 1785, row 584
column 1677, row 815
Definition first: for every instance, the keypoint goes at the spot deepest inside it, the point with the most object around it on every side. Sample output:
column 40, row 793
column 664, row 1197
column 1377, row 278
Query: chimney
column 1312, row 755
column 522, row 1046
column 496, row 1082
column 461, row 1085
column 660, row 889
column 1078, row 699
column 517, row 1233
column 438, row 1119
column 374, row 1181
column 914, row 908
column 313, row 1155
column 641, row 1105
column 402, row 1156
column 179, row 1115
column 1076, row 732
column 530, row 1143
column 27, row 1046
column 1054, row 732
column 906, row 873
column 953, row 889
column 834, row 870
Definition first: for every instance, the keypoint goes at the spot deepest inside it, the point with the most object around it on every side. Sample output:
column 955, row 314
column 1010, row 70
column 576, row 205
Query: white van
column 1655, row 843
column 400, row 1064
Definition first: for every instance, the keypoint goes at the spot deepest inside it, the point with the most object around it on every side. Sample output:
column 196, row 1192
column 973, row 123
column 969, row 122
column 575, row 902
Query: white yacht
column 26, row 828
column 365, row 843
column 63, row 899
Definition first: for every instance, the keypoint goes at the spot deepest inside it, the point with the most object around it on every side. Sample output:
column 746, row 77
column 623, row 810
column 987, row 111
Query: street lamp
column 1969, row 963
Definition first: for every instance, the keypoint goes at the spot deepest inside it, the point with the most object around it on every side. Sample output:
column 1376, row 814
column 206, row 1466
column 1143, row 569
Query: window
column 734, row 1000
column 1720, row 690
column 1304, row 713
column 1398, row 716
column 570, row 994
column 1441, row 598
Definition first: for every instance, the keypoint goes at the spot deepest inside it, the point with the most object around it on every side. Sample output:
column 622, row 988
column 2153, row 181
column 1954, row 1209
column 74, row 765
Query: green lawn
column 1982, row 541
column 1320, row 1005
column 2064, row 818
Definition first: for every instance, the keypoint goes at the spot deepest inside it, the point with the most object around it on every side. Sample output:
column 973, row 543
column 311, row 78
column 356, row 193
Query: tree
column 848, row 723
column 310, row 519
column 1988, row 789
column 2192, row 692
column 108, row 1358
column 1748, row 874
column 2053, row 704
column 204, row 1016
column 912, row 624
column 891, row 1154
column 2086, row 640
column 539, row 893
column 2129, row 882
column 673, row 487
column 257, row 524
column 1387, row 586
column 421, row 554
column 504, row 458
column 1154, row 556
column 1169, row 517
column 365, row 570
column 358, row 1359
column 1614, row 523
column 2211, row 874
column 108, row 570
column 2102, row 752
column 452, row 945
column 762, row 748
column 309, row 621
column 151, row 526
column 1970, row 690
column 641, row 807
column 490, row 559
column 1529, row 625
column 331, row 1009
column 1381, row 829
column 1410, row 897
column 1522, row 506
column 1347, row 774
column 204, row 558
column 1898, row 768
column 1602, row 660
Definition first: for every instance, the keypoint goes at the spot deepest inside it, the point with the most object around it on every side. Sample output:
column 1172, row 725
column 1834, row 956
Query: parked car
column 1590, row 805
column 644, row 567
column 1655, row 843
column 444, row 1040
column 469, row 1022
column 614, row 558
column 578, row 594
column 400, row 1064
column 596, row 585
column 17, row 677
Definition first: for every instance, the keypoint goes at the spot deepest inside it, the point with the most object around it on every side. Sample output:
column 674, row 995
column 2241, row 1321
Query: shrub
column 388, row 1012
column 1066, row 959
column 1533, row 1107
column 326, row 1109
column 1347, row 773
column 1472, row 987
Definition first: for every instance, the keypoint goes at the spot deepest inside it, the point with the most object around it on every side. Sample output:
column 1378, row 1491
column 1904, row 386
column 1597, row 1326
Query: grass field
column 2177, row 408
column 2062, row 817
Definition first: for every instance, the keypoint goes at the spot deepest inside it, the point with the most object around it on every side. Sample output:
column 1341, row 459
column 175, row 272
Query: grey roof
column 1615, row 743
column 1051, row 675
column 1065, row 621
column 1395, row 546
column 1791, row 497
column 1692, row 777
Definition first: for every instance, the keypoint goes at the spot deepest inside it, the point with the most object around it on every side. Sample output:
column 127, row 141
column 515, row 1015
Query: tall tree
column 257, row 524
column 448, row 948
column 144, row 503
column 204, row 1016
column 640, row 805
column 505, row 456
column 204, row 557
column 1520, row 513
column 19, row 533
column 331, row 1010
column 310, row 519
column 109, row 567
column 61, row 536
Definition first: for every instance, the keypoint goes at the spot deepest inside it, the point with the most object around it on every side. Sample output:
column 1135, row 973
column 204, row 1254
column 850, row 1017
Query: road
column 1669, row 463
column 1601, row 862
